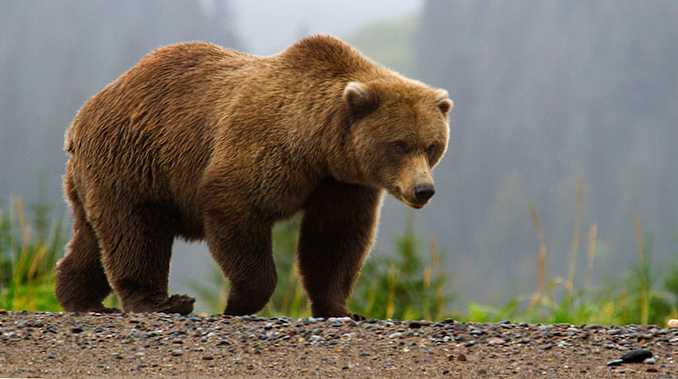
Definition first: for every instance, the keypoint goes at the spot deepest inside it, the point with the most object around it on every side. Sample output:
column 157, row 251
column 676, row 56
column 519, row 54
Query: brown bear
column 199, row 142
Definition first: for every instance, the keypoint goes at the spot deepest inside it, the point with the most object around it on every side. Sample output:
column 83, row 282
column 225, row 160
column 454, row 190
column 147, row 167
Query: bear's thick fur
column 200, row 142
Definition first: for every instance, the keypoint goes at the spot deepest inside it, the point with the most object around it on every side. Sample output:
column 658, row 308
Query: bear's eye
column 431, row 151
column 400, row 147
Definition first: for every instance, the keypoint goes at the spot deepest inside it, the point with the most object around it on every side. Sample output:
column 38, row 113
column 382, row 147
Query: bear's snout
column 423, row 192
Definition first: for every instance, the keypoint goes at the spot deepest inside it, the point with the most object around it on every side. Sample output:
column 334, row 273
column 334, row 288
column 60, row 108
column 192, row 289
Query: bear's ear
column 360, row 98
column 444, row 103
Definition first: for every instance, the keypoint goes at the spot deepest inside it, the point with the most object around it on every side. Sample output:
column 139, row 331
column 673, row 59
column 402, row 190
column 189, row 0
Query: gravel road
column 54, row 344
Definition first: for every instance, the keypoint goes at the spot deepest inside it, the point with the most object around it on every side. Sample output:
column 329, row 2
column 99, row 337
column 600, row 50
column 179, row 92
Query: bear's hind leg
column 81, row 284
column 137, row 247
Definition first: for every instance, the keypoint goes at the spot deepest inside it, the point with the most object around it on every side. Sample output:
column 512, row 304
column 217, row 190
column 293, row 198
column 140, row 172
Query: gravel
column 58, row 345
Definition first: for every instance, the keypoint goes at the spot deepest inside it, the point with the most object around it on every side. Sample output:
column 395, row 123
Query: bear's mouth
column 398, row 194
column 414, row 205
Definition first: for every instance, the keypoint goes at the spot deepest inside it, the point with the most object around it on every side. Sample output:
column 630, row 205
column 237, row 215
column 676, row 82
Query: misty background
column 548, row 94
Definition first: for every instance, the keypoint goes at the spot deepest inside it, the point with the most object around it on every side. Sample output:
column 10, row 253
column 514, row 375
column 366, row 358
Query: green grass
column 406, row 284
column 29, row 249
column 642, row 296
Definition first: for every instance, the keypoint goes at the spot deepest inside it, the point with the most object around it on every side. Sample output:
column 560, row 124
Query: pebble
column 177, row 352
column 495, row 341
column 636, row 356
column 339, row 319
column 252, row 318
column 673, row 323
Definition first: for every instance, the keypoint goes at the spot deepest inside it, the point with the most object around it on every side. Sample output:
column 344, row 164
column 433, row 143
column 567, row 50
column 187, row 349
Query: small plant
column 29, row 249
column 404, row 285
column 671, row 285
column 642, row 300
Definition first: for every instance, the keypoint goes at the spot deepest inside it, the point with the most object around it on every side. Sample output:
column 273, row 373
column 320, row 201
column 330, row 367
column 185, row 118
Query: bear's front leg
column 337, row 232
column 242, row 248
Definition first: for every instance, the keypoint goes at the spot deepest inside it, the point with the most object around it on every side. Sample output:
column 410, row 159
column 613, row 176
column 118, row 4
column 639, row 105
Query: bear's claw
column 103, row 309
column 182, row 304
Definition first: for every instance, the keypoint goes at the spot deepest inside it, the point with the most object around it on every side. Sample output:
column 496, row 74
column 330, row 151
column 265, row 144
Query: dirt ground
column 58, row 345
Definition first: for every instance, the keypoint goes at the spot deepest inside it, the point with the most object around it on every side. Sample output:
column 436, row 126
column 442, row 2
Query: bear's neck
column 319, row 138
column 338, row 160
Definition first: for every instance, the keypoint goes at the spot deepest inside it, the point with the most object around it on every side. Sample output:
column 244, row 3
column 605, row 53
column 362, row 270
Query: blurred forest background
column 563, row 144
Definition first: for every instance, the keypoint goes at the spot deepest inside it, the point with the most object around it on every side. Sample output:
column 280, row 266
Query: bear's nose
column 423, row 192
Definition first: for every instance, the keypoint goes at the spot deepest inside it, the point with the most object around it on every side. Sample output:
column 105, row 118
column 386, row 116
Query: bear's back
column 152, row 127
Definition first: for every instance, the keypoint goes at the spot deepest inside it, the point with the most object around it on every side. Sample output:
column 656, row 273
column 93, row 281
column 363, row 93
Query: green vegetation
column 29, row 250
column 640, row 297
column 407, row 284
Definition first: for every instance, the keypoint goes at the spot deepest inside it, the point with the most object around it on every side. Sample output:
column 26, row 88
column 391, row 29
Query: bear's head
column 398, row 133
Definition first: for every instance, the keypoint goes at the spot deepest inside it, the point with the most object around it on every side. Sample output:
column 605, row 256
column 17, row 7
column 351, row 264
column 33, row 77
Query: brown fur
column 200, row 142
